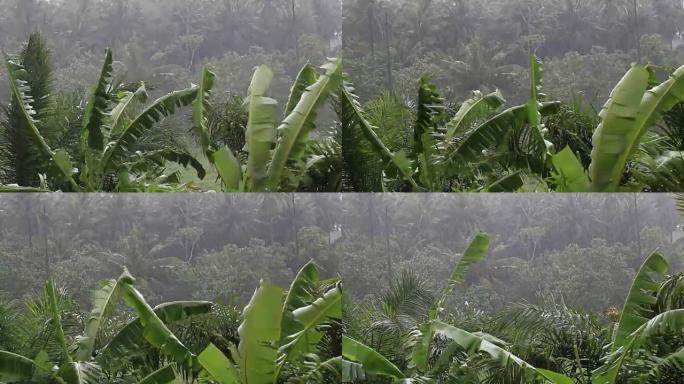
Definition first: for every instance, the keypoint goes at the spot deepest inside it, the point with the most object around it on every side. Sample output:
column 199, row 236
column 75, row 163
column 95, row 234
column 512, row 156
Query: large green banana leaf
column 570, row 174
column 259, row 335
column 154, row 330
column 642, row 296
column 105, row 301
column 307, row 336
column 125, row 108
column 430, row 107
column 538, row 144
column 131, row 339
column 218, row 366
column 95, row 118
column 120, row 142
column 199, row 111
column 229, row 169
column 664, row 324
column 96, row 115
column 79, row 372
column 300, row 293
column 15, row 367
column 260, row 135
column 494, row 131
column 293, row 132
column 306, row 77
column 628, row 114
column 475, row 253
column 373, row 363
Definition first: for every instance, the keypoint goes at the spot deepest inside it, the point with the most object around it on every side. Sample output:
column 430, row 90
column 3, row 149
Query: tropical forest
column 342, row 191
column 133, row 289
column 564, row 289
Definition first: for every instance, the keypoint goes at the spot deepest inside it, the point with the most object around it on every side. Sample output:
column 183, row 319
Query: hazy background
column 583, row 249
column 165, row 42
column 587, row 45
column 203, row 246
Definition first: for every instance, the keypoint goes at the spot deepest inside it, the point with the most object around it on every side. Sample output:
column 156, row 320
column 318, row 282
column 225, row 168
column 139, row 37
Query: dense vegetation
column 283, row 336
column 407, row 334
column 443, row 135
column 429, row 113
column 178, row 248
column 59, row 133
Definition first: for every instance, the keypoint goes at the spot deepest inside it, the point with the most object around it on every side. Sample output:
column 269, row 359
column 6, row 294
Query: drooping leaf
column 164, row 375
column 509, row 183
column 494, row 131
column 373, row 362
column 475, row 253
column 155, row 331
column 122, row 142
column 15, row 367
column 130, row 339
column 476, row 344
column 175, row 155
column 351, row 102
column 472, row 110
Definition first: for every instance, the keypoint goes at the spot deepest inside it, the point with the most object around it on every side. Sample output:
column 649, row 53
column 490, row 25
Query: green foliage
column 147, row 350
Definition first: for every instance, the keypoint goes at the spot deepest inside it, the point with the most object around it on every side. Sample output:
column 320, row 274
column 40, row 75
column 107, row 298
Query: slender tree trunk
column 48, row 264
column 29, row 221
column 295, row 37
column 371, row 22
column 295, row 232
column 371, row 218
column 388, row 37
column 637, row 225
column 637, row 38
column 390, row 272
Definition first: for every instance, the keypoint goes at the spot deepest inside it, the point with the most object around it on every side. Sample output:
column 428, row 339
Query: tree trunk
column 388, row 37
column 295, row 232
column 637, row 226
column 295, row 37
column 48, row 264
column 637, row 38
column 390, row 272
